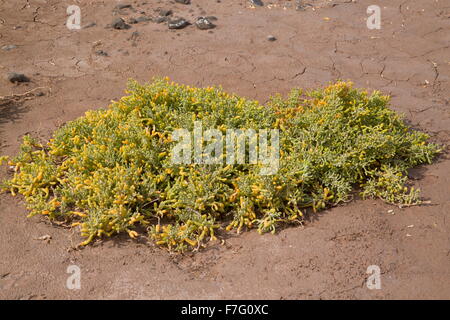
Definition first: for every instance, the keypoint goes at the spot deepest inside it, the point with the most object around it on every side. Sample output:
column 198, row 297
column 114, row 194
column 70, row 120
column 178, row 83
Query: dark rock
column 164, row 12
column 179, row 23
column 271, row 38
column 203, row 23
column 183, row 1
column 17, row 77
column 257, row 3
column 120, row 24
column 89, row 25
column 160, row 19
column 132, row 21
column 301, row 6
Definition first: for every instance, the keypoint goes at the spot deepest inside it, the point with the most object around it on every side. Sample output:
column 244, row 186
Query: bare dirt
column 409, row 58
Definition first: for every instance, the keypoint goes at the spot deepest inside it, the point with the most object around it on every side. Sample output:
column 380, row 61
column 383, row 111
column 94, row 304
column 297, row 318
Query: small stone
column 120, row 24
column 300, row 6
column 143, row 19
column 183, row 1
column 17, row 77
column 89, row 25
column 257, row 3
column 9, row 47
column 203, row 23
column 179, row 23
column 160, row 19
column 123, row 6
column 132, row 21
column 165, row 12
column 271, row 38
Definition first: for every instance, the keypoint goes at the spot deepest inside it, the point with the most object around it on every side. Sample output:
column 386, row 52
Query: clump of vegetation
column 111, row 170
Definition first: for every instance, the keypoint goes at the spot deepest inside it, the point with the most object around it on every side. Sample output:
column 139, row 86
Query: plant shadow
column 10, row 111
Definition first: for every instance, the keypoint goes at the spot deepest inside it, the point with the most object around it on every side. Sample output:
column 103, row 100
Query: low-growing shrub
column 111, row 170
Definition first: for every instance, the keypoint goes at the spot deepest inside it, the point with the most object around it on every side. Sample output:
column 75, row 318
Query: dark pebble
column 258, row 3
column 183, row 1
column 120, row 24
column 17, row 77
column 132, row 21
column 123, row 6
column 301, row 6
column 178, row 23
column 143, row 19
column 203, row 23
column 271, row 38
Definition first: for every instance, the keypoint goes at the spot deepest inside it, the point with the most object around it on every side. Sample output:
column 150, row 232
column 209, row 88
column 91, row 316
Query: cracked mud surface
column 408, row 58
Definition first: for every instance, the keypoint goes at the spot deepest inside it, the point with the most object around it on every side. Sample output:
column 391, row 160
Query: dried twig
column 22, row 96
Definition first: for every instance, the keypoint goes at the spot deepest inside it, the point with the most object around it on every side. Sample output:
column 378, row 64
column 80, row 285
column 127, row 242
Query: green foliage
column 111, row 170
